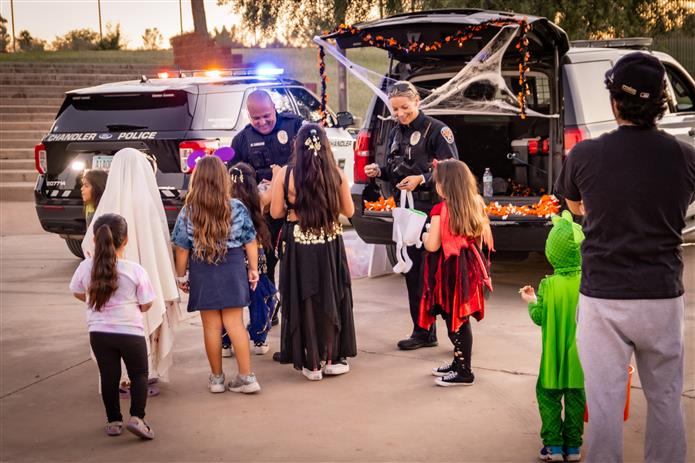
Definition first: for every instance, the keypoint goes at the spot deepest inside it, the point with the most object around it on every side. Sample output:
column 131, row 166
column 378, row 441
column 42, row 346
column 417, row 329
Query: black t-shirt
column 636, row 185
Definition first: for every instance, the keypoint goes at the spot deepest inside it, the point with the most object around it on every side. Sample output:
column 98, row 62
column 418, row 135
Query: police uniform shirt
column 419, row 142
column 262, row 151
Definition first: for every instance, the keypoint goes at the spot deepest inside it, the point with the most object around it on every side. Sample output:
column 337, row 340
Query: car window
column 682, row 89
column 591, row 101
column 539, row 85
column 309, row 106
column 282, row 101
column 222, row 110
column 154, row 111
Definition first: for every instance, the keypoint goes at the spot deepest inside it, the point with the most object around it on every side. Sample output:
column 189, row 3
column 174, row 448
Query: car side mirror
column 345, row 119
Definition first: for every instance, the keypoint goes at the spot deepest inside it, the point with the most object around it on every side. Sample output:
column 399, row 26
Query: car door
column 679, row 119
column 309, row 108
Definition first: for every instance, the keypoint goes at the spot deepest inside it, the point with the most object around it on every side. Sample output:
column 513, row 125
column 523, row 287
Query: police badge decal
column 282, row 137
column 448, row 135
column 415, row 138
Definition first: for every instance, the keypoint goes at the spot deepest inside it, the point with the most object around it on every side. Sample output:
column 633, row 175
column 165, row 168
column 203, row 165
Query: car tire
column 75, row 247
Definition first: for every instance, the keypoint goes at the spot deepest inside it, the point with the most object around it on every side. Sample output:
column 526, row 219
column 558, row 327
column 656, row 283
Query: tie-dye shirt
column 240, row 232
column 121, row 314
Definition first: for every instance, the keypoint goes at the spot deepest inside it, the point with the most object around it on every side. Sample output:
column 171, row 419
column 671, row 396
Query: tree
column 28, row 43
column 233, row 38
column 77, row 40
column 199, row 22
column 151, row 39
column 112, row 38
column 4, row 36
column 301, row 18
column 581, row 19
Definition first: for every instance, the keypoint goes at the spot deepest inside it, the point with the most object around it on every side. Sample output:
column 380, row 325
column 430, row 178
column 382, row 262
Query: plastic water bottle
column 487, row 183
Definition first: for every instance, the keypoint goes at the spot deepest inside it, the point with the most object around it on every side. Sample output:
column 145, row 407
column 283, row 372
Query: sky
column 46, row 19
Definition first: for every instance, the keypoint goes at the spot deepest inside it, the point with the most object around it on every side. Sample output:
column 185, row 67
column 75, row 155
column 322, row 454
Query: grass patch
column 157, row 58
column 299, row 63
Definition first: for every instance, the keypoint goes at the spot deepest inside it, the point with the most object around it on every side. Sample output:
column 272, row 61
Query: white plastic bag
column 407, row 229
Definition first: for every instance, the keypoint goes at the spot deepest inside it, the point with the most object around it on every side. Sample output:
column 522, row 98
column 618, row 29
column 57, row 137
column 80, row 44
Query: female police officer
column 414, row 142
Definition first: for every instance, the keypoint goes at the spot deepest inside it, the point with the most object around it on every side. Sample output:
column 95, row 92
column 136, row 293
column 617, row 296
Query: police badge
column 448, row 135
column 282, row 137
column 415, row 138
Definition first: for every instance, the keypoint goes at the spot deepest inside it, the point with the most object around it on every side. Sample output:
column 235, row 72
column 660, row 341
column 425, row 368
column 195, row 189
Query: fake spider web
column 478, row 88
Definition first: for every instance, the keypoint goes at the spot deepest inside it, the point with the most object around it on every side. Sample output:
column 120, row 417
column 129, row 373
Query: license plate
column 101, row 162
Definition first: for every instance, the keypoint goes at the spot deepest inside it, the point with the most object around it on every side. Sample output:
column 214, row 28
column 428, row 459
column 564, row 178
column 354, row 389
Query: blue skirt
column 218, row 286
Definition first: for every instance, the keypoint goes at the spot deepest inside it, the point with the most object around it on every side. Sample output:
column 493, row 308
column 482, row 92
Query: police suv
column 167, row 119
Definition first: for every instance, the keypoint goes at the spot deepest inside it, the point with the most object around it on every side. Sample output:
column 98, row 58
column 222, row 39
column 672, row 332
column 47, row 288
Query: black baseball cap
column 637, row 74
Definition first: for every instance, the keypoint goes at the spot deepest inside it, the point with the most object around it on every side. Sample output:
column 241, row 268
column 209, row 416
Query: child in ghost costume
column 132, row 192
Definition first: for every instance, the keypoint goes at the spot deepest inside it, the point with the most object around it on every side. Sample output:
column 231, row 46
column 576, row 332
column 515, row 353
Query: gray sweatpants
column 608, row 331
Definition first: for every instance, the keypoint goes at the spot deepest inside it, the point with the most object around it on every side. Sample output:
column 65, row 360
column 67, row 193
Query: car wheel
column 75, row 247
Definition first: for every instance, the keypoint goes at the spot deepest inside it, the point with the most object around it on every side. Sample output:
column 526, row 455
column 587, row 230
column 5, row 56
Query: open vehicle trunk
column 524, row 154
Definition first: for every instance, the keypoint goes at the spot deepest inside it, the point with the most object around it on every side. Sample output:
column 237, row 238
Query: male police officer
column 266, row 143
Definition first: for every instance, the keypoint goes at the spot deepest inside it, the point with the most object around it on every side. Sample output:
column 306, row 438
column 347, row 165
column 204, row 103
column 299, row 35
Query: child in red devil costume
column 456, row 273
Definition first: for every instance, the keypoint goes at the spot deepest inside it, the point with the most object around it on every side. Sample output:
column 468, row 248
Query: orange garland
column 459, row 38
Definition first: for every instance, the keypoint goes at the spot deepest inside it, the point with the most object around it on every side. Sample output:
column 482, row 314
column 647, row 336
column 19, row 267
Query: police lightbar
column 262, row 71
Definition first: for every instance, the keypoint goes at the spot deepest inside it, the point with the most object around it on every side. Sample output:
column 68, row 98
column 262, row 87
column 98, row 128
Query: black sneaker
column 444, row 369
column 415, row 343
column 456, row 379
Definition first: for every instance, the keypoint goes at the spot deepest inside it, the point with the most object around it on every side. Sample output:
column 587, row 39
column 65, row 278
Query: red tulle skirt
column 455, row 285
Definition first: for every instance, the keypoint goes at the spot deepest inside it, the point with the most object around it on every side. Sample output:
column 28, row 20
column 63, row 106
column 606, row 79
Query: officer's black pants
column 274, row 225
column 413, row 280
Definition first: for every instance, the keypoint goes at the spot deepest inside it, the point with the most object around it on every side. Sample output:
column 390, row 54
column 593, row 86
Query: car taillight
column 361, row 156
column 573, row 135
column 533, row 146
column 40, row 158
column 546, row 146
column 188, row 147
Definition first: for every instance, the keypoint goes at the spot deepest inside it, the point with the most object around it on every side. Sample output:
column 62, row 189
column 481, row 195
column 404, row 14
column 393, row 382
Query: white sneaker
column 248, row 384
column 216, row 383
column 312, row 375
column 335, row 369
column 227, row 351
column 260, row 348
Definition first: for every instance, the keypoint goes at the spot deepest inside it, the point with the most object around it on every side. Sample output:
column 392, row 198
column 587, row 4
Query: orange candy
column 381, row 204
column 547, row 206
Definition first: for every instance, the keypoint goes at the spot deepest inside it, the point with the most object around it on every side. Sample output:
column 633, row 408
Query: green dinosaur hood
column 563, row 246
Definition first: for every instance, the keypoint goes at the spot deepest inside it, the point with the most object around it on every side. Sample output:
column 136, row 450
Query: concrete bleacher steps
column 30, row 96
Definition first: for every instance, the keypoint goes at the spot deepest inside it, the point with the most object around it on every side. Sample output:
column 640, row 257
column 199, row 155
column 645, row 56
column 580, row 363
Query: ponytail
column 110, row 233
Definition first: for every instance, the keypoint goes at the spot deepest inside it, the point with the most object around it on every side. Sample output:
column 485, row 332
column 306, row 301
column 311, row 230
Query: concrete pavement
column 386, row 409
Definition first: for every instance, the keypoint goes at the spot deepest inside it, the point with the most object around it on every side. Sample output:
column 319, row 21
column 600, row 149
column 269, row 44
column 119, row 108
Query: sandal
column 140, row 428
column 114, row 428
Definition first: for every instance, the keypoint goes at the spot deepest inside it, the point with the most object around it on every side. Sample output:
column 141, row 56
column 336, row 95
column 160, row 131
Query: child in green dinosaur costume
column 554, row 309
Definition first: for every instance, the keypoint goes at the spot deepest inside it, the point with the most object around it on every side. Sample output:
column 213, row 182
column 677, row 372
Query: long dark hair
column 245, row 189
column 97, row 179
column 208, row 209
column 110, row 232
column 316, row 180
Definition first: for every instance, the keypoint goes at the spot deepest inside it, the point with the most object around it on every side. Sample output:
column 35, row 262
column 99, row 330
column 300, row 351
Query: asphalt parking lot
column 386, row 409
